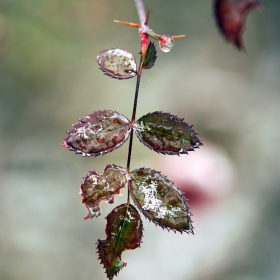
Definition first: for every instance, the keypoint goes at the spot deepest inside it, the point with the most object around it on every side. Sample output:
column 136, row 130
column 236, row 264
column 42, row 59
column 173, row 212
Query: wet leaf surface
column 166, row 133
column 124, row 231
column 117, row 63
column 160, row 200
column 151, row 56
column 98, row 133
column 102, row 187
column 231, row 16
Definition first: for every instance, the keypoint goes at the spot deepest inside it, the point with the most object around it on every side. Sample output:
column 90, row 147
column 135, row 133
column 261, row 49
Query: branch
column 141, row 10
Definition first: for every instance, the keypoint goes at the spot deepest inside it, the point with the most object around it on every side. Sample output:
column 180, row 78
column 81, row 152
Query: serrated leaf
column 160, row 200
column 117, row 63
column 151, row 56
column 166, row 133
column 98, row 133
column 231, row 16
column 124, row 231
column 99, row 187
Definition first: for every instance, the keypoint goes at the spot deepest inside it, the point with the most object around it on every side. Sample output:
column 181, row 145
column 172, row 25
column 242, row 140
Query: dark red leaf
column 231, row 18
column 99, row 187
column 160, row 200
column 124, row 231
column 166, row 133
column 98, row 133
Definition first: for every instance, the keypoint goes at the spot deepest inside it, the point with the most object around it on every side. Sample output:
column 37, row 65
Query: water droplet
column 166, row 43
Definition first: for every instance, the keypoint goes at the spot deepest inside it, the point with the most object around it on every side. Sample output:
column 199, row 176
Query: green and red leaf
column 102, row 187
column 98, row 133
column 160, row 200
column 124, row 231
column 117, row 63
column 151, row 56
column 166, row 133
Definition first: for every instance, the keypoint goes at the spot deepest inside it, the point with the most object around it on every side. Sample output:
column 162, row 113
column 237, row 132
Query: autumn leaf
column 160, row 200
column 124, row 231
column 166, row 133
column 98, row 133
column 117, row 63
column 231, row 16
column 102, row 187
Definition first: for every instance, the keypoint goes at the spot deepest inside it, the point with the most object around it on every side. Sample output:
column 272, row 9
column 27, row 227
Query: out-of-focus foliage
column 231, row 17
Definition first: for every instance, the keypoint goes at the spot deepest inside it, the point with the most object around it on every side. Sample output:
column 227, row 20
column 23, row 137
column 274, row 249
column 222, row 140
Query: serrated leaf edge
column 198, row 141
column 191, row 227
column 144, row 65
column 111, row 196
column 140, row 238
column 78, row 152
column 112, row 75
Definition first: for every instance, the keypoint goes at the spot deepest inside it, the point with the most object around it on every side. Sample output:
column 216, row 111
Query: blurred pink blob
column 203, row 176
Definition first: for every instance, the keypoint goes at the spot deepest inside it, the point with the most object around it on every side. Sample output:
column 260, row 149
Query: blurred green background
column 49, row 78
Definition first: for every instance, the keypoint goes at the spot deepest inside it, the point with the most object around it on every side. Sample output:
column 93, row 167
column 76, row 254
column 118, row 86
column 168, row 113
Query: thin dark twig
column 133, row 120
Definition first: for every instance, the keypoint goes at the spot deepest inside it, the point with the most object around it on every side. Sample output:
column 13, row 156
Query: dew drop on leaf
column 160, row 200
column 166, row 43
column 117, row 63
column 98, row 133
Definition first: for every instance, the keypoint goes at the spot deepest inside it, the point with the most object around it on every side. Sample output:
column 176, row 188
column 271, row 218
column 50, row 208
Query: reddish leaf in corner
column 99, row 187
column 124, row 231
column 117, row 63
column 160, row 200
column 231, row 16
column 166, row 133
column 98, row 133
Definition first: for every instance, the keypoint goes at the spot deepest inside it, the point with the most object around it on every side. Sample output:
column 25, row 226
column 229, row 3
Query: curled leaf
column 160, row 200
column 166, row 133
column 151, row 56
column 117, row 63
column 124, row 231
column 98, row 133
column 231, row 16
column 99, row 187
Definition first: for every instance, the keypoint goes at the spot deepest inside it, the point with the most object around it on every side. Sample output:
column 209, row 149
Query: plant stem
column 141, row 10
column 133, row 120
column 136, row 91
